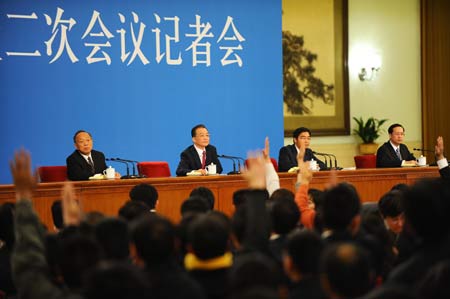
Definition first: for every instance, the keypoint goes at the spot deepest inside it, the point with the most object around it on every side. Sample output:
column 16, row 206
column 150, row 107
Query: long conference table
column 107, row 196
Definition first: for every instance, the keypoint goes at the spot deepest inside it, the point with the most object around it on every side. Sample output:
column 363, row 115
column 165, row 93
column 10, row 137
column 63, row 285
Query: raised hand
column 70, row 207
column 439, row 148
column 24, row 181
column 266, row 151
column 255, row 174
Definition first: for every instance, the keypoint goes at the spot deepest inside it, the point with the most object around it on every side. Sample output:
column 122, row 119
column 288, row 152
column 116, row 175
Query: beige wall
column 391, row 29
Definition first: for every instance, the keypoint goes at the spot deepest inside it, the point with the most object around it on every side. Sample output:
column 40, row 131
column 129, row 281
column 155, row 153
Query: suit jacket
column 191, row 161
column 288, row 158
column 78, row 169
column 445, row 172
column 386, row 156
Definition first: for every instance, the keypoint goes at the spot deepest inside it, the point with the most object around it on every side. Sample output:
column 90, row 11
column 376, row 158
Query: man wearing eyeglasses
column 287, row 157
column 196, row 157
column 394, row 153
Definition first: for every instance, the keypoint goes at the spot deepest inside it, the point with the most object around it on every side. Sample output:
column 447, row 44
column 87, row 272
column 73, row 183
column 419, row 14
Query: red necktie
column 203, row 159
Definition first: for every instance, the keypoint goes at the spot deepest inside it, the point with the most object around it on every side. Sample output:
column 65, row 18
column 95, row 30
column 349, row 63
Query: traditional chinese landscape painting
column 315, row 74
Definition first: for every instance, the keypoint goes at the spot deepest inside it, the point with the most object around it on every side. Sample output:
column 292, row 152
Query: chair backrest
column 366, row 161
column 273, row 160
column 52, row 173
column 155, row 169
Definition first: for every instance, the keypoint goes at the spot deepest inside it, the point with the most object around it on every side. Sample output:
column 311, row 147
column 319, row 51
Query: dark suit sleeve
column 322, row 165
column 284, row 160
column 445, row 173
column 76, row 170
column 215, row 159
column 406, row 154
column 185, row 164
column 386, row 159
column 99, row 161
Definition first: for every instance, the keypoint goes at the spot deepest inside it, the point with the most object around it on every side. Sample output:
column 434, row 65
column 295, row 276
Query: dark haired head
column 391, row 128
column 316, row 196
column 133, row 209
column 205, row 193
column 57, row 215
column 154, row 238
column 254, row 270
column 390, row 204
column 340, row 205
column 285, row 215
column 282, row 193
column 116, row 280
column 239, row 196
column 112, row 235
column 78, row 132
column 346, row 269
column 145, row 193
column 400, row 187
column 194, row 205
column 300, row 130
column 209, row 236
column 427, row 206
column 305, row 247
column 79, row 254
column 194, row 129
column 7, row 224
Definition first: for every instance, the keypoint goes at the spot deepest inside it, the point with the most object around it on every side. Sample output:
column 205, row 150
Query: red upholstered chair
column 366, row 161
column 273, row 160
column 52, row 173
column 156, row 169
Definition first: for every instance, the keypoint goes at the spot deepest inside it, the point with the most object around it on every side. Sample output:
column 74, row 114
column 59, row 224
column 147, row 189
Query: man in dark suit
column 84, row 162
column 394, row 153
column 288, row 154
column 199, row 155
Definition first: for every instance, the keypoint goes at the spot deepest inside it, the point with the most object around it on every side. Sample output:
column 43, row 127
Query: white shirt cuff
column 442, row 163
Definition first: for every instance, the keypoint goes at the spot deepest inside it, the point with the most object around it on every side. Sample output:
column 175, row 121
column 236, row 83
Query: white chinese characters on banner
column 131, row 40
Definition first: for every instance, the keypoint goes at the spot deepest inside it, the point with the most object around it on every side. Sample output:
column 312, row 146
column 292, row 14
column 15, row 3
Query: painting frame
column 339, row 123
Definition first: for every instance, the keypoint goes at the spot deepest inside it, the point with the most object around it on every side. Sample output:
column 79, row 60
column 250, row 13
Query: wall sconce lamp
column 368, row 75
column 370, row 66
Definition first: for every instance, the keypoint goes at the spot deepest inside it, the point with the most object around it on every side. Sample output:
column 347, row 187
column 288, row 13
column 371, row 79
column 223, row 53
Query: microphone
column 126, row 163
column 423, row 150
column 234, row 163
column 134, row 168
column 326, row 161
column 335, row 162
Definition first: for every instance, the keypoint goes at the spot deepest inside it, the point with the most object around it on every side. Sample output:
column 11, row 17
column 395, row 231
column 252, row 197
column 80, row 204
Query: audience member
column 153, row 244
column 394, row 153
column 210, row 259
column 426, row 207
column 197, row 156
column 6, row 248
column 57, row 215
column 206, row 194
column 288, row 154
column 133, row 209
column 194, row 205
column 84, row 162
column 301, row 264
column 112, row 235
column 145, row 193
column 346, row 271
column 115, row 280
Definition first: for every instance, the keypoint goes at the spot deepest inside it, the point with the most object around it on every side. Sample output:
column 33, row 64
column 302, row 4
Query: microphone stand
column 134, row 176
column 234, row 164
column 335, row 162
column 128, row 168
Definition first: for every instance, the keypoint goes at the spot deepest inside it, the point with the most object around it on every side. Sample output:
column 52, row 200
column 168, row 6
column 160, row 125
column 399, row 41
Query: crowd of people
column 277, row 244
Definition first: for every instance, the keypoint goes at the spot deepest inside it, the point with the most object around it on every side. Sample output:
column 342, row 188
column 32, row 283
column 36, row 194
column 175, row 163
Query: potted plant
column 368, row 131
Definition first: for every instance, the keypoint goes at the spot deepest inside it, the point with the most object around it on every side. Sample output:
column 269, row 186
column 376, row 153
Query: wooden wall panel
column 435, row 56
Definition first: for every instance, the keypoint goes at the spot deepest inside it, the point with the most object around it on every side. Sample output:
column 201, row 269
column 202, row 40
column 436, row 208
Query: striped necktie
column 91, row 164
column 397, row 151
column 203, row 159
